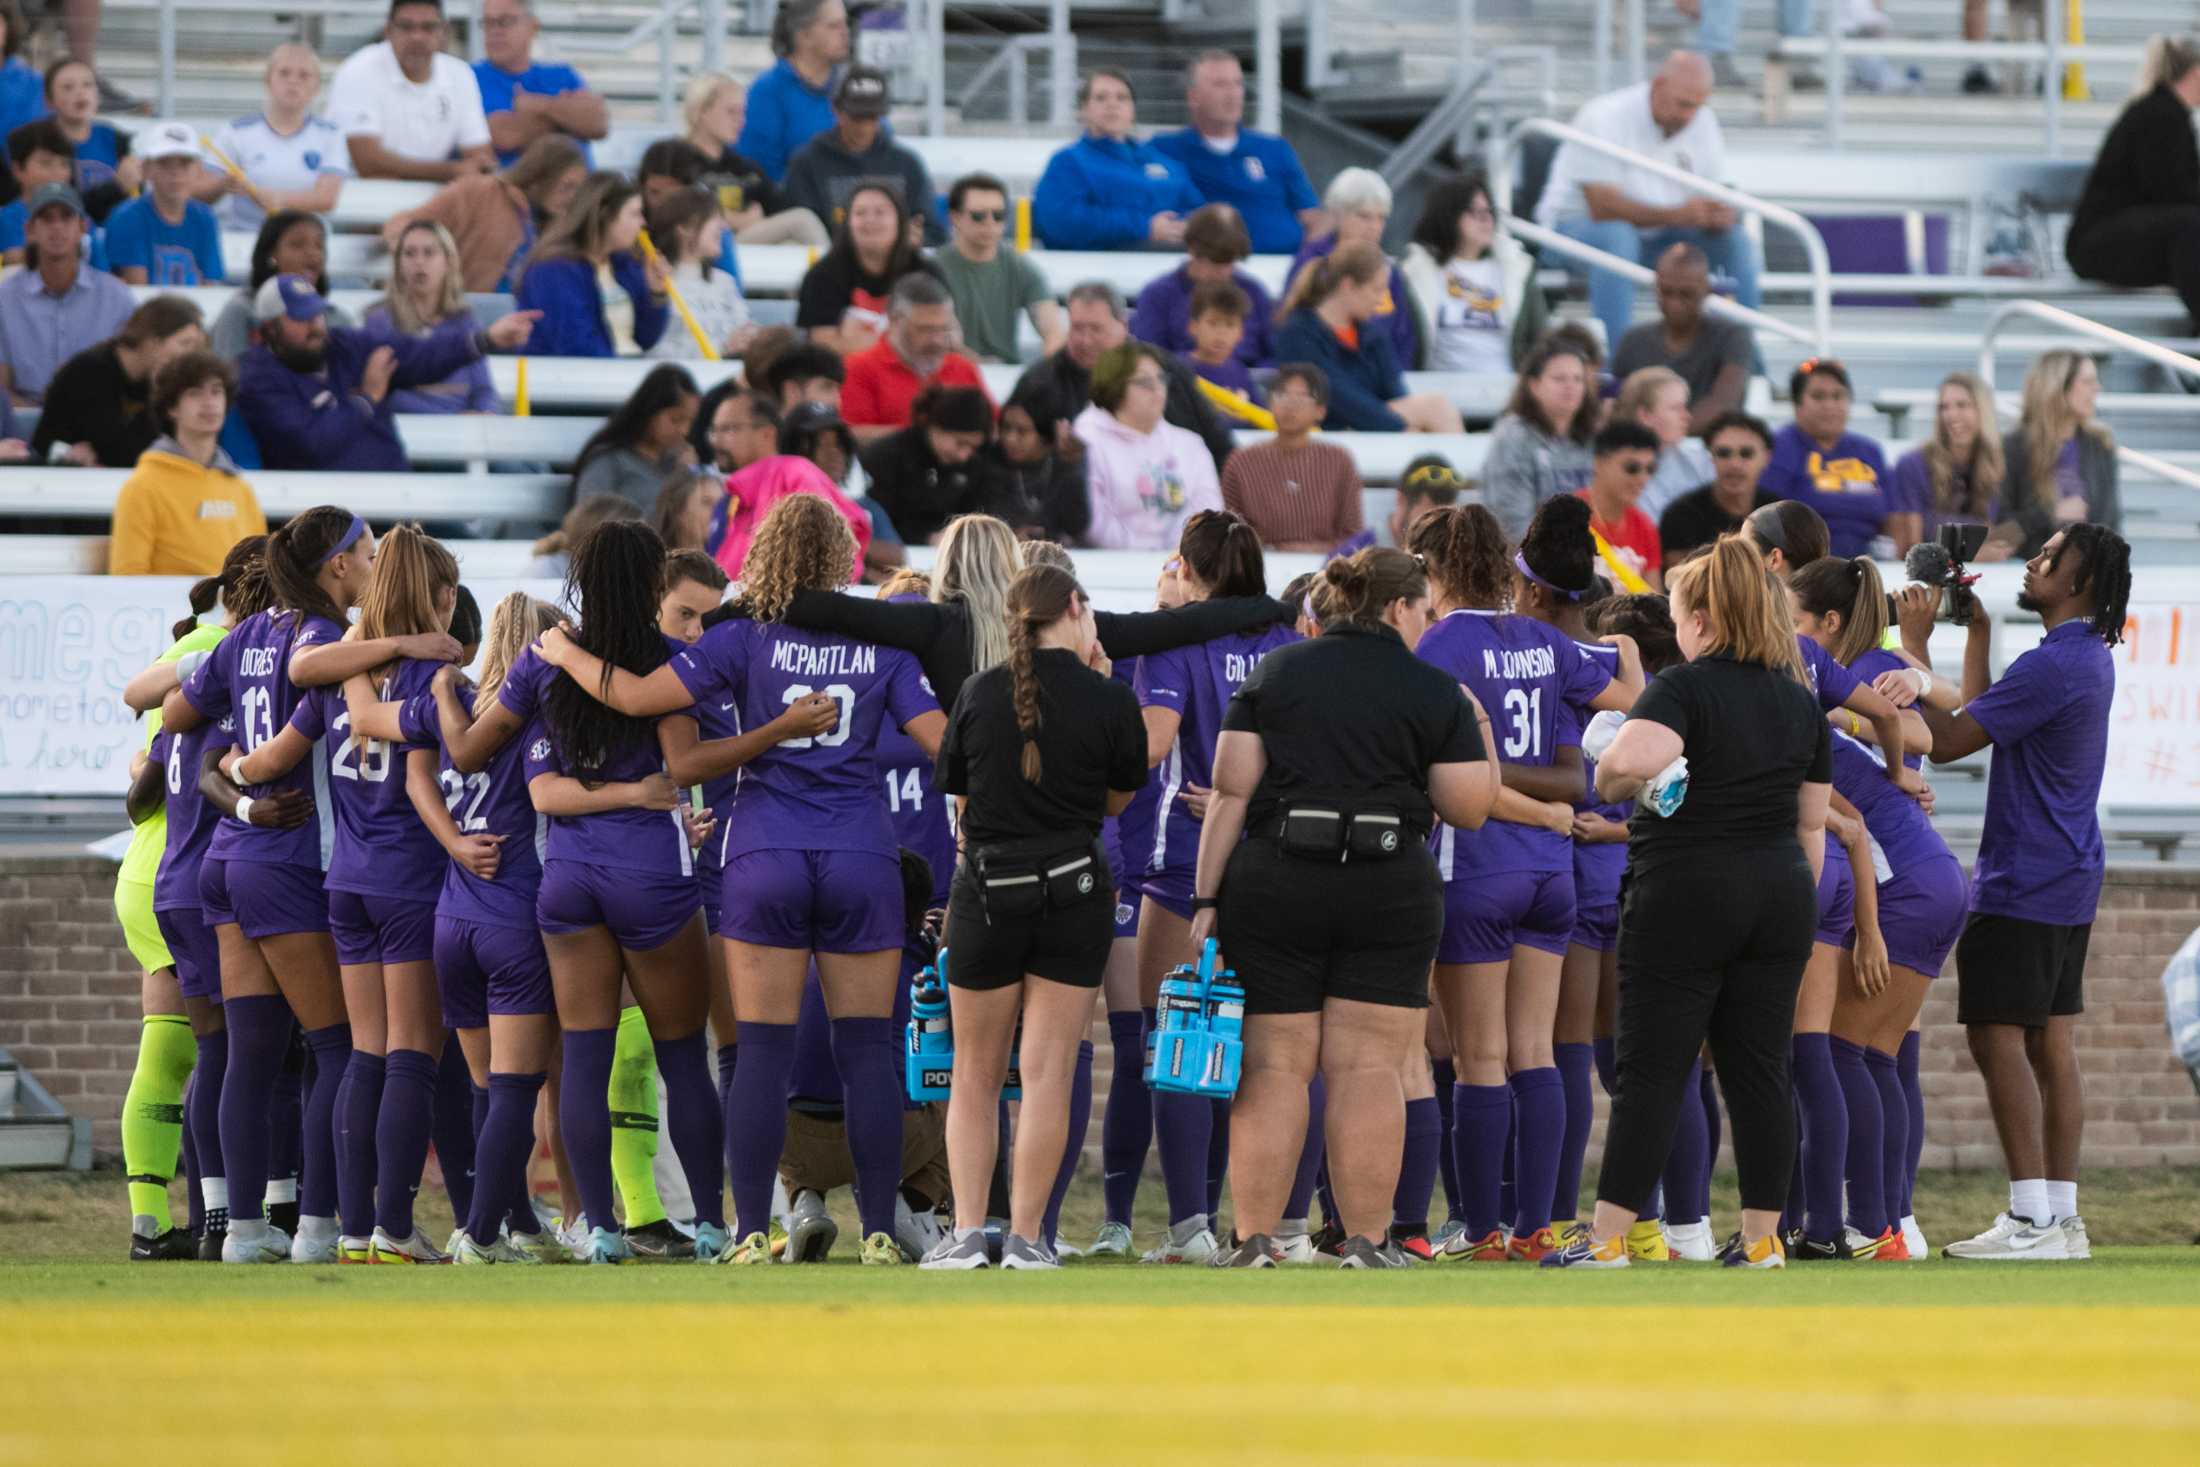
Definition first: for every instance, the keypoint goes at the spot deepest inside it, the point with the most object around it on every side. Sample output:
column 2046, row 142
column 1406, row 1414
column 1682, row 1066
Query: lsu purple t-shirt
column 654, row 841
column 490, row 801
column 382, row 848
column 246, row 679
column 2039, row 855
column 1196, row 683
column 1525, row 672
column 1598, row 865
column 810, row 794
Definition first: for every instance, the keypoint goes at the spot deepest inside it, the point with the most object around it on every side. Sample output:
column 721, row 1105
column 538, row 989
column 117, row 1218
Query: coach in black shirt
column 1335, row 760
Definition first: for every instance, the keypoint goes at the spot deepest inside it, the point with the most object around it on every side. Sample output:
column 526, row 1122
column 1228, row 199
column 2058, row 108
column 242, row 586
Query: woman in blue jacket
column 1107, row 190
column 560, row 278
column 1325, row 322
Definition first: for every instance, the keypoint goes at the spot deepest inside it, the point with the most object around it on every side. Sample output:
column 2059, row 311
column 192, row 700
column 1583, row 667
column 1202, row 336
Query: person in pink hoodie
column 1146, row 476
column 750, row 494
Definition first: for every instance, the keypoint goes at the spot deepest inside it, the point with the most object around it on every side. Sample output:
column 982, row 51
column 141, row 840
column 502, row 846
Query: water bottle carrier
column 928, row 1061
column 1199, row 1026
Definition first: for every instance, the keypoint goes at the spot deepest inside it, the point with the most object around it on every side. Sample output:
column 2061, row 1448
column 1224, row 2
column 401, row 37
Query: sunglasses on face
column 1635, row 468
column 985, row 216
column 1724, row 454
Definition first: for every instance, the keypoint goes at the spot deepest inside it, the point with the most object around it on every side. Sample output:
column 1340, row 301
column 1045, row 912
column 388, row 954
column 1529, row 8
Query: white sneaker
column 574, row 1236
column 1691, row 1242
column 918, row 1233
column 2012, row 1239
column 1913, row 1238
column 1299, row 1248
column 270, row 1245
column 2075, row 1242
column 1190, row 1241
column 414, row 1247
column 317, row 1241
column 1064, row 1252
column 1113, row 1241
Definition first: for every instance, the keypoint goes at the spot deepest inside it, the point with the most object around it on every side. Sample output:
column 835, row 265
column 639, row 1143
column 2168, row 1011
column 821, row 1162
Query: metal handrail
column 1642, row 274
column 2161, row 356
column 1814, row 245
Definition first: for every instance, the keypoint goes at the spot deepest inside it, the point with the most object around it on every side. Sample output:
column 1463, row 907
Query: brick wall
column 69, row 1011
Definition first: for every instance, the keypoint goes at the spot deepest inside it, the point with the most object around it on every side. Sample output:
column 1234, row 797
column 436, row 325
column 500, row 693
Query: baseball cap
column 288, row 295
column 862, row 92
column 166, row 140
column 53, row 193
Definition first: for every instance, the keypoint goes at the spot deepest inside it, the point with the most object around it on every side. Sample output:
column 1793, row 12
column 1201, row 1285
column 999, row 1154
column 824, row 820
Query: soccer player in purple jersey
column 1509, row 888
column 385, row 868
column 1182, row 694
column 810, row 863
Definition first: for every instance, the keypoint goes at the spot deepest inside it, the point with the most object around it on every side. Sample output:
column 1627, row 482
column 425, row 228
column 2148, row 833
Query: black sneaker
column 1258, row 1251
column 283, row 1218
column 1329, row 1238
column 210, row 1244
column 1357, row 1252
column 1811, row 1250
column 660, row 1242
column 170, row 1247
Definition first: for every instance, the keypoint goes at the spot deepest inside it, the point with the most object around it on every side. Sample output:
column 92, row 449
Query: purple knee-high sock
column 757, row 1129
column 728, row 1059
column 1825, row 1119
column 401, row 1133
column 1713, row 1128
column 863, row 1050
column 1686, row 1165
column 358, row 1107
column 1218, row 1156
column 1894, row 1151
column 1864, row 1167
column 286, row 1126
column 456, row 1121
column 1073, row 1143
column 1126, row 1123
column 1913, row 1094
column 1417, row 1169
column 202, row 1108
column 317, row 1197
column 1481, row 1117
column 1183, row 1129
column 696, row 1125
column 501, row 1154
column 1330, row 1216
column 584, row 1119
column 1447, row 1163
column 1539, row 1125
column 259, row 1036
column 1576, row 1065
column 1605, row 1049
column 1297, row 1205
column 187, row 1160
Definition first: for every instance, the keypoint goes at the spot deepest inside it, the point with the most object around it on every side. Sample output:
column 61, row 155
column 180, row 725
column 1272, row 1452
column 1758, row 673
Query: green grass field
column 1929, row 1363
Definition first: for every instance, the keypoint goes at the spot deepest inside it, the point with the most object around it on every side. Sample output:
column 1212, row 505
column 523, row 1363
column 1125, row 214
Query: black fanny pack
column 1325, row 832
column 1015, row 885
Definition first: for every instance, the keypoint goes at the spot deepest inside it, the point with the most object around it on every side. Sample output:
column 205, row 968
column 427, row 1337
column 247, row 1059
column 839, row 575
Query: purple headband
column 1520, row 564
column 344, row 542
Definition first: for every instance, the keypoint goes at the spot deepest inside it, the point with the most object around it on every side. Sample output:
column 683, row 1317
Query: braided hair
column 1463, row 547
column 2104, row 573
column 617, row 581
column 1039, row 596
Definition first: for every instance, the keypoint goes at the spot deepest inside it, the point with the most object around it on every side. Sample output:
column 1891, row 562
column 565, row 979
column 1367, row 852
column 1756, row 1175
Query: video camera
column 1940, row 562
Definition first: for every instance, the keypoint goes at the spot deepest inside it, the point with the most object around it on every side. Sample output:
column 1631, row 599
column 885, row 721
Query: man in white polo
column 408, row 108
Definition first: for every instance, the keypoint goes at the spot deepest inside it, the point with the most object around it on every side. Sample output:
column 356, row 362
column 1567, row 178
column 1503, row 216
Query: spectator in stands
column 106, row 174
column 22, row 89
column 1473, row 288
column 1719, row 24
column 425, row 299
column 1057, row 388
column 1740, row 447
column 39, row 154
column 57, row 306
column 917, row 351
column 1429, row 483
column 1256, row 173
column 1956, row 476
column 743, row 427
column 1297, row 492
column 1219, row 311
column 756, row 210
column 407, row 107
column 1034, row 474
column 687, row 227
column 80, row 25
column 686, row 505
column 2138, row 219
column 562, row 279
column 859, row 151
column 290, row 158
column 1634, row 214
column 1215, row 243
column 1329, row 320
column 804, row 372
column 99, row 404
column 554, row 551
column 994, row 287
column 2061, row 458
column 1108, row 190
column 524, row 99
column 928, row 473
column 792, row 102
column 643, row 441
column 842, row 302
column 1711, row 352
column 815, row 431
column 496, row 218
column 184, row 505
column 1540, row 446
column 1146, row 476
column 1658, row 399
column 289, row 243
column 751, row 493
column 1819, row 462
column 317, row 396
column 1359, row 210
column 1625, row 452
column 164, row 236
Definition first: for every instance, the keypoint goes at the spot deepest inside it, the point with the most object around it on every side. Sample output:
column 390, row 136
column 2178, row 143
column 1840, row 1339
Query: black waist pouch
column 1016, row 884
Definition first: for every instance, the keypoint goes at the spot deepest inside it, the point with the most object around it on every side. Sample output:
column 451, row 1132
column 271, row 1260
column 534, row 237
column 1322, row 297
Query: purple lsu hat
column 288, row 295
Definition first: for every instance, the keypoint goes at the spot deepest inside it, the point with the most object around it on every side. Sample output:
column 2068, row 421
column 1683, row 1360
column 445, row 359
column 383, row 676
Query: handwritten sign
column 2154, row 724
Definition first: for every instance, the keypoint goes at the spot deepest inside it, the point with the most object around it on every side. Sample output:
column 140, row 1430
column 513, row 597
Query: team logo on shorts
column 539, row 750
column 1122, row 914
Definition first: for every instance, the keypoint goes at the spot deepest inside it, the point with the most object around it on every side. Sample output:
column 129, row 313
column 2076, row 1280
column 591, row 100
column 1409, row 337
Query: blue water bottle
column 931, row 1052
column 1199, row 1044
column 1225, row 1015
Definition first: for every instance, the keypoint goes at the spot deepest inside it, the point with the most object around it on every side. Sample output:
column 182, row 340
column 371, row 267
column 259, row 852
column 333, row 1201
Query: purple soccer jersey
column 191, row 819
column 490, row 801
column 1130, row 834
column 1832, row 682
column 1526, row 673
column 920, row 814
column 382, row 848
column 714, row 719
column 1196, row 683
column 1598, row 866
column 246, row 678
column 653, row 841
column 813, row 794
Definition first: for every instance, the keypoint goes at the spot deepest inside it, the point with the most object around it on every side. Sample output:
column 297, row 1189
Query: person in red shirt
column 917, row 350
column 1626, row 453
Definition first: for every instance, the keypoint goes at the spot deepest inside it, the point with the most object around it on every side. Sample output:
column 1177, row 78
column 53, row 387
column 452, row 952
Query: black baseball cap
column 863, row 92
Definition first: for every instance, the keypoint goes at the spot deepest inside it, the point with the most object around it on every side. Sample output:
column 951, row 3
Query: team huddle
column 380, row 905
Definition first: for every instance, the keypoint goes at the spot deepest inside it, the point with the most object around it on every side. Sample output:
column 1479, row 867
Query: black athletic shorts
column 2010, row 971
column 1299, row 931
column 1065, row 944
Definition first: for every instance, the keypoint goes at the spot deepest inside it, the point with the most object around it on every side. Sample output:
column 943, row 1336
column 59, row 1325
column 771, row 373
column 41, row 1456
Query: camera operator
column 2020, row 965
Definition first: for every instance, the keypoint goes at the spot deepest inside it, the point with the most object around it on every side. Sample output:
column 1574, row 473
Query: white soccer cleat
column 269, row 1245
column 317, row 1241
column 1112, row 1241
column 2013, row 1240
column 2076, row 1243
column 466, row 1253
column 1913, row 1238
column 1692, row 1242
column 1191, row 1241
column 414, row 1247
column 574, row 1236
